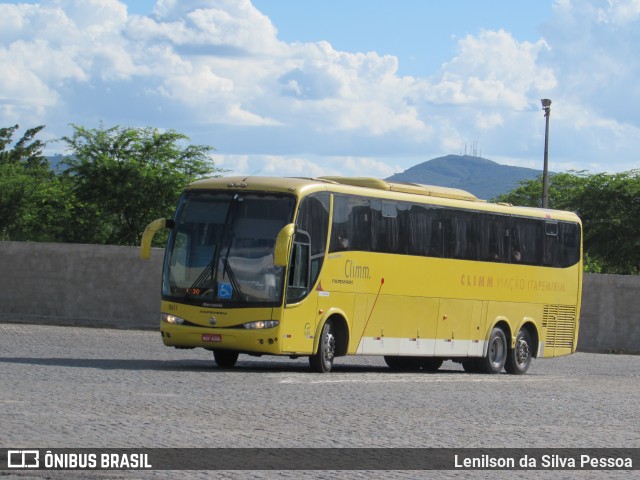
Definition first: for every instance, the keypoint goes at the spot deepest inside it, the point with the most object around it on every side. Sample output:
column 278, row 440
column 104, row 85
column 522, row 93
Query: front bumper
column 253, row 341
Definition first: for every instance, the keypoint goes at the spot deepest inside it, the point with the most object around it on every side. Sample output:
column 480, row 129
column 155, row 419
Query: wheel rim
column 522, row 352
column 329, row 348
column 497, row 352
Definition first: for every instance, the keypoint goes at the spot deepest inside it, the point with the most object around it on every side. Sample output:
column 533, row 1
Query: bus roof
column 297, row 185
column 365, row 182
column 415, row 188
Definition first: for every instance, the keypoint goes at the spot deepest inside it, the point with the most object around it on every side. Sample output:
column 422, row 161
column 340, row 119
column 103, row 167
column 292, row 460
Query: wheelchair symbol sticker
column 225, row 290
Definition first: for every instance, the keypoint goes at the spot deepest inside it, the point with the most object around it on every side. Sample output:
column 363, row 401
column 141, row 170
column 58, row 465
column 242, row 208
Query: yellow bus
column 334, row 266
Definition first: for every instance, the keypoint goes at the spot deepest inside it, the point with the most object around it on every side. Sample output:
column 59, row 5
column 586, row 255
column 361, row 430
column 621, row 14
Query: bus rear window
column 563, row 248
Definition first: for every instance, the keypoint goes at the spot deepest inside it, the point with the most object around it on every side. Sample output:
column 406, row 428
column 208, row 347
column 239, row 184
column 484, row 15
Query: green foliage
column 117, row 181
column 609, row 206
column 27, row 152
column 123, row 178
column 591, row 265
column 24, row 182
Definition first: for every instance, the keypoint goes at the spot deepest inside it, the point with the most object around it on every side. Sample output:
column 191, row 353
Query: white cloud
column 22, row 94
column 216, row 70
column 493, row 69
column 595, row 54
column 489, row 120
column 306, row 166
column 195, row 87
column 620, row 12
column 230, row 24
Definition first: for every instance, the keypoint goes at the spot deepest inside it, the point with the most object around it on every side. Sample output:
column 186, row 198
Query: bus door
column 300, row 315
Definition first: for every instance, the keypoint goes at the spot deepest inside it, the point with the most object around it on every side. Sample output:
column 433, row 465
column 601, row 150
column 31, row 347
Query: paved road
column 82, row 387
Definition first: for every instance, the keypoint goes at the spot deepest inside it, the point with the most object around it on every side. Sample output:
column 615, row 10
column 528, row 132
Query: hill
column 484, row 178
column 55, row 162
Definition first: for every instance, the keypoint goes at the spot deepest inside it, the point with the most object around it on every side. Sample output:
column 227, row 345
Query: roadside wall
column 72, row 284
column 109, row 286
column 610, row 314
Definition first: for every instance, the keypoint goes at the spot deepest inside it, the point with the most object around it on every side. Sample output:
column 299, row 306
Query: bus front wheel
column 519, row 358
column 225, row 358
column 496, row 357
column 322, row 360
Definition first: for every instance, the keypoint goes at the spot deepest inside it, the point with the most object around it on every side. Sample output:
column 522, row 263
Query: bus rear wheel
column 519, row 358
column 496, row 357
column 472, row 365
column 322, row 360
column 225, row 358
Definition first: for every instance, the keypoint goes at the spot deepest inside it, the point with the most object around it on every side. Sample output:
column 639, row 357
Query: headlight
column 167, row 317
column 261, row 324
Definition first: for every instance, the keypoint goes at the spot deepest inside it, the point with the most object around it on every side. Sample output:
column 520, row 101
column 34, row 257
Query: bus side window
column 570, row 234
column 313, row 217
column 526, row 241
column 423, row 224
column 494, row 238
column 460, row 233
column 351, row 228
column 552, row 256
column 385, row 235
column 299, row 270
column 561, row 244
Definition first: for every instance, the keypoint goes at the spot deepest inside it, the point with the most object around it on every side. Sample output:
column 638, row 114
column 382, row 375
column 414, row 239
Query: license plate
column 211, row 337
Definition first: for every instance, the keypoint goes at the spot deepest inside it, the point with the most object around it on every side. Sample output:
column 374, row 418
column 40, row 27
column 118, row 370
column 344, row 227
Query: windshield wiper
column 206, row 274
column 227, row 232
column 234, row 282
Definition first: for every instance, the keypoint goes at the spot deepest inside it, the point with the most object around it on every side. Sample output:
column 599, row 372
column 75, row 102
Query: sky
column 334, row 87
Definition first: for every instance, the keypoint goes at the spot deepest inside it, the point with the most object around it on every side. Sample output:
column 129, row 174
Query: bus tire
column 225, row 358
column 519, row 358
column 431, row 364
column 472, row 365
column 394, row 362
column 322, row 360
column 496, row 357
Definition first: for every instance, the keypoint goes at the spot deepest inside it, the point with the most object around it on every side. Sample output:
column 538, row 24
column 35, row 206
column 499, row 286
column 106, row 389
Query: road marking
column 420, row 378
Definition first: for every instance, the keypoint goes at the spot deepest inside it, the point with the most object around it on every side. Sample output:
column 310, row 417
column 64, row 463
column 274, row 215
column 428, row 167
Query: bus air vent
column 560, row 322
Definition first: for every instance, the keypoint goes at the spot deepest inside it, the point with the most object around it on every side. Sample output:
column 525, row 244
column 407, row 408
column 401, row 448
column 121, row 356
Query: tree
column 609, row 206
column 26, row 151
column 24, row 183
column 123, row 178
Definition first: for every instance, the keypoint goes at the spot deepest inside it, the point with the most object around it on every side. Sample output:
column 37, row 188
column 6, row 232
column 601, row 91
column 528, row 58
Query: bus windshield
column 221, row 248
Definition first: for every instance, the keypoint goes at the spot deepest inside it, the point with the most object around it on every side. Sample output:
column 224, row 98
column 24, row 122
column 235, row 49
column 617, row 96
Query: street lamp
column 546, row 106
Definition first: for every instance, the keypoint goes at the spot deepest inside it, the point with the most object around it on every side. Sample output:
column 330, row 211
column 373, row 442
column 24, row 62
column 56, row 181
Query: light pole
column 546, row 106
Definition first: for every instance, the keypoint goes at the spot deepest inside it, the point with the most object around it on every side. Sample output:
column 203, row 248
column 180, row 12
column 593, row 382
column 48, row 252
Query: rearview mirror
column 283, row 245
column 147, row 236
